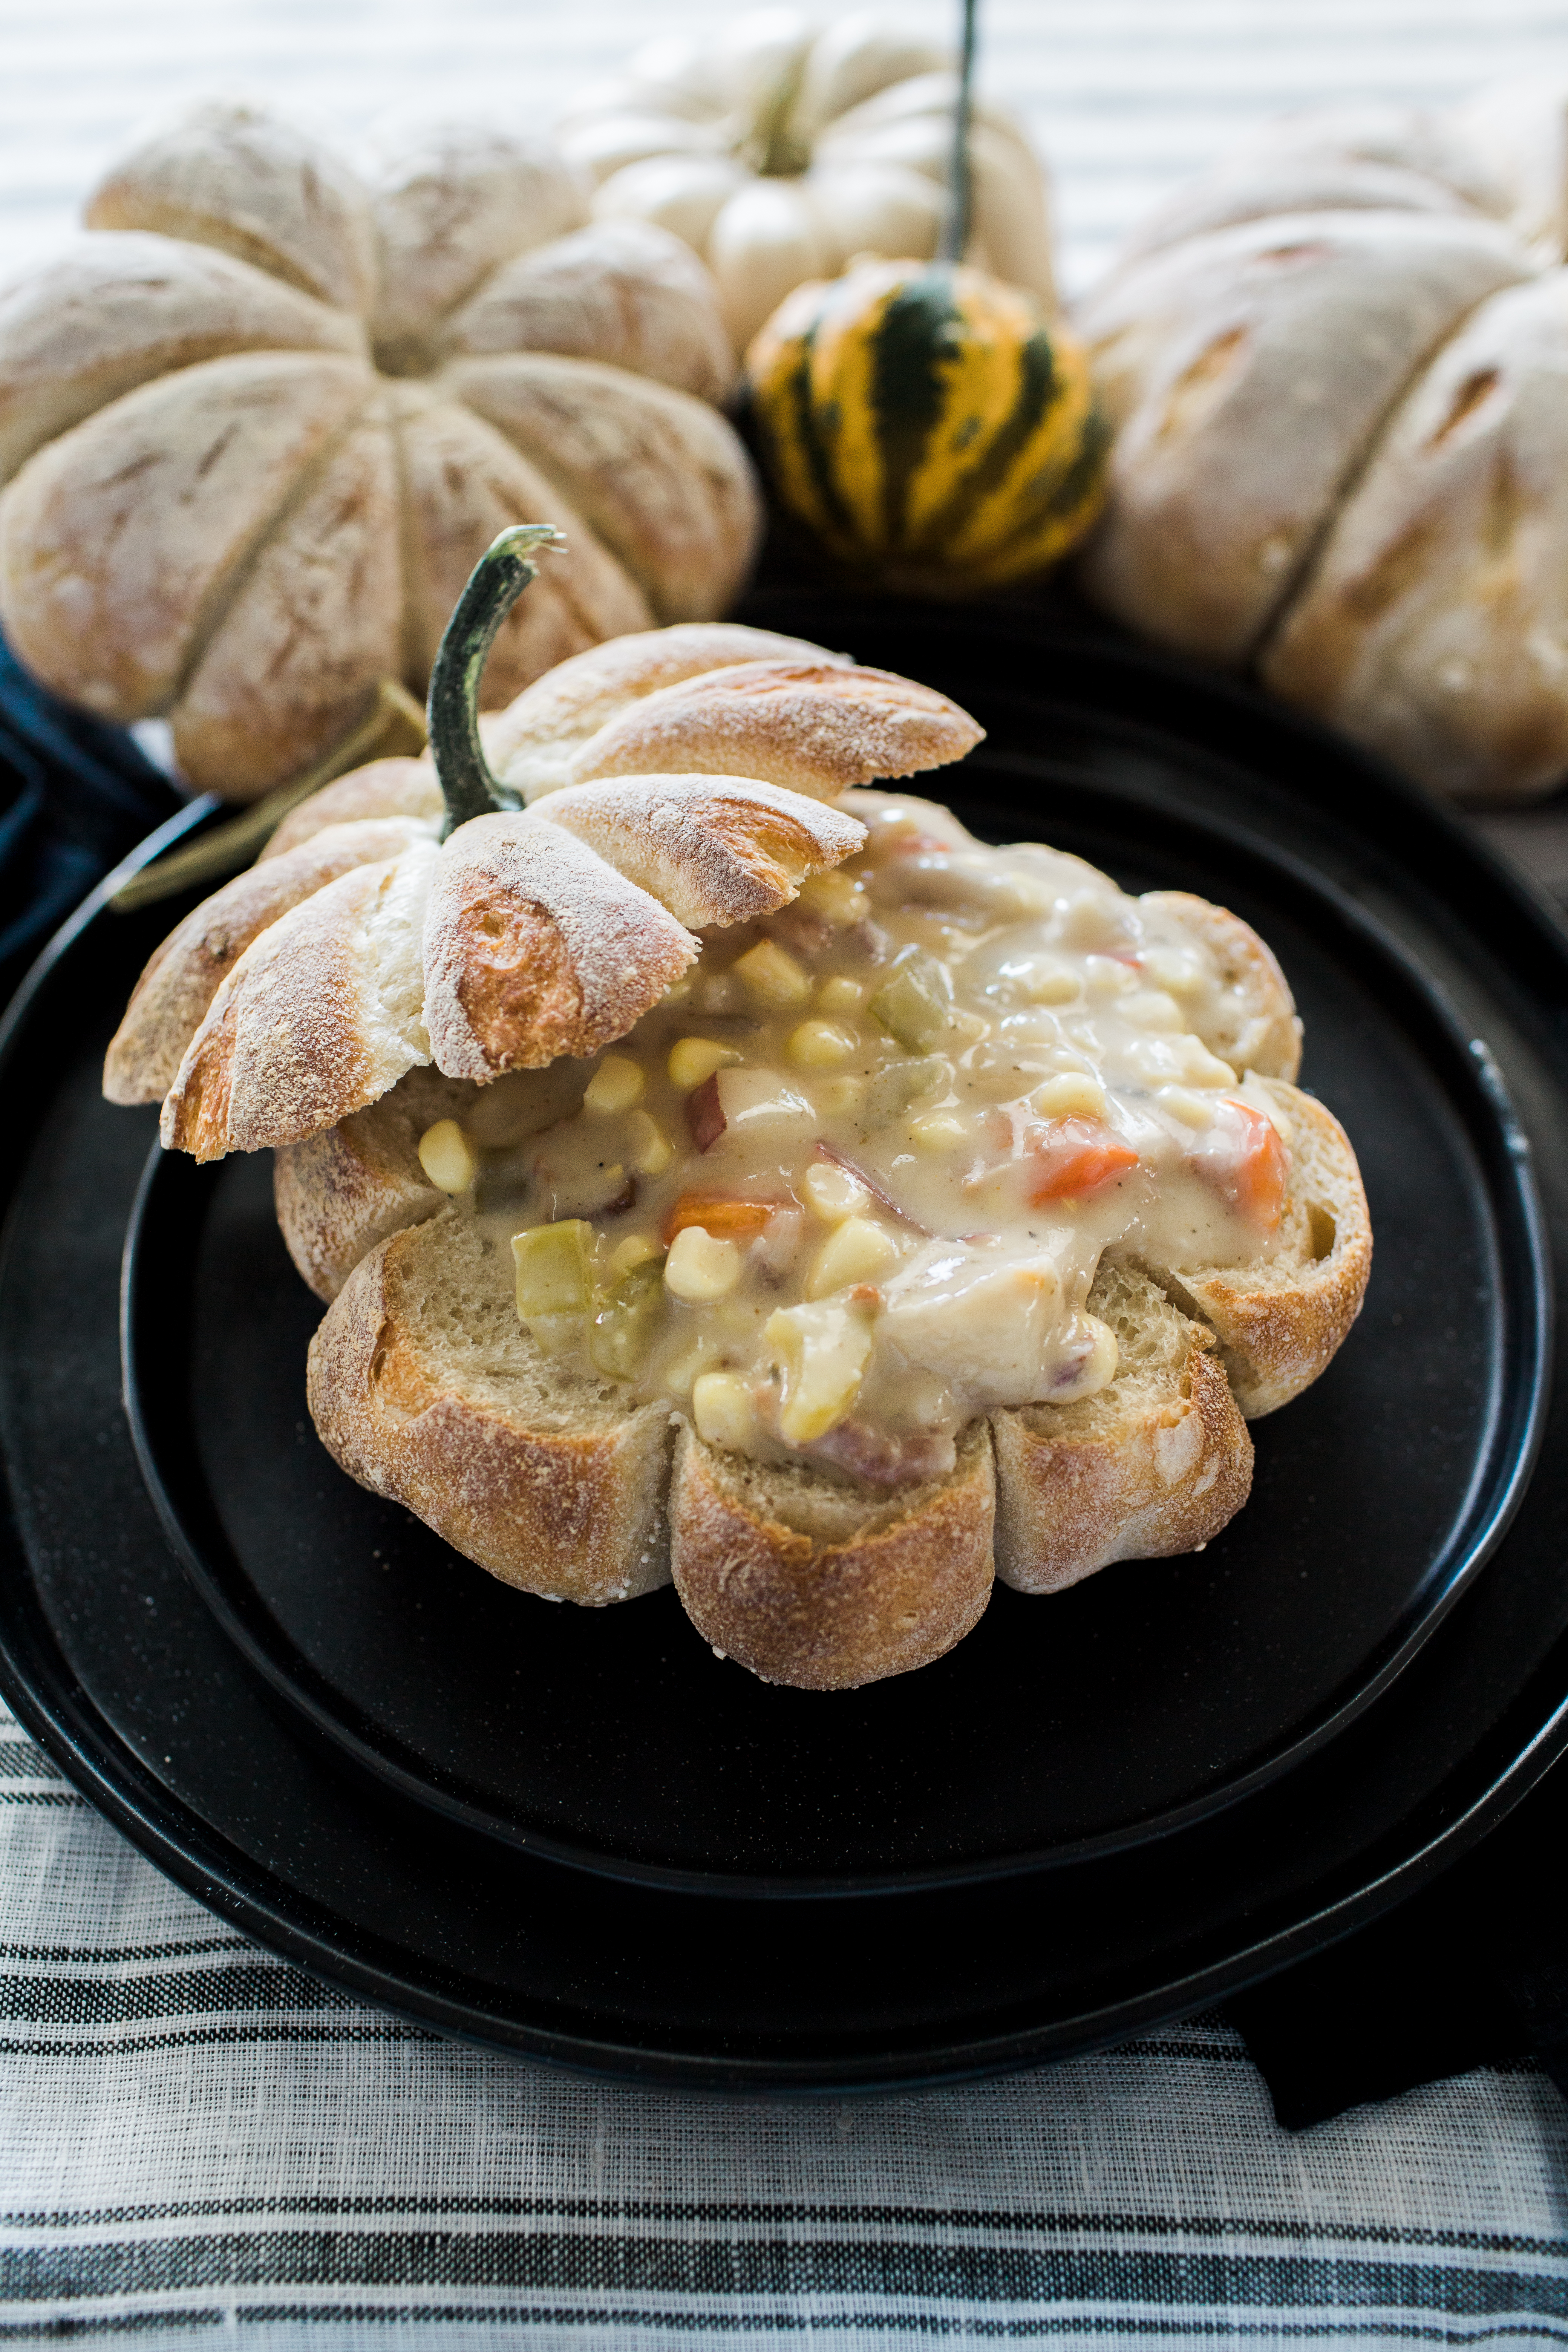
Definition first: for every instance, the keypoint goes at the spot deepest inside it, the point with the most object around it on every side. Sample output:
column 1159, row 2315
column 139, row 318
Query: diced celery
column 551, row 1263
column 892, row 1090
column 914, row 1004
column 624, row 1326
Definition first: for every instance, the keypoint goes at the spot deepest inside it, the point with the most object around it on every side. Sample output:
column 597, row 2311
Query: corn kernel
column 446, row 1157
column 1168, row 968
column 635, row 1250
column 838, row 898
column 615, row 1084
column 1049, row 983
column 822, row 1351
column 771, row 977
column 1192, row 1110
column 859, row 1251
column 1097, row 1365
column 841, row 1098
column 840, row 994
column 682, row 1371
column 1075, row 1094
column 724, row 1410
column 832, row 1192
column 938, row 1130
column 700, row 1268
column 1205, row 1069
column 694, row 1059
column 1152, row 1008
column 648, row 1150
column 817, row 1044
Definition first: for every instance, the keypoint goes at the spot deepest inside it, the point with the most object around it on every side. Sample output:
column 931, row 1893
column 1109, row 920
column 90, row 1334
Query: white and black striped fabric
column 197, row 2144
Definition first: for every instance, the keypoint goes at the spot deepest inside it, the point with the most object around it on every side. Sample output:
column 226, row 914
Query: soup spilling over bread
column 848, row 1187
column 721, row 1169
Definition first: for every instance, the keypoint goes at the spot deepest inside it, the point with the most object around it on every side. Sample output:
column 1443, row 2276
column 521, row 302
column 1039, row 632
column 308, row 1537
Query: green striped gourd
column 927, row 426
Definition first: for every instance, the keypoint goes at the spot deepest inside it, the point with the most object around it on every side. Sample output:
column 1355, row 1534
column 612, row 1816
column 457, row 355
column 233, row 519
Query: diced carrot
column 1254, row 1182
column 1075, row 1156
column 719, row 1214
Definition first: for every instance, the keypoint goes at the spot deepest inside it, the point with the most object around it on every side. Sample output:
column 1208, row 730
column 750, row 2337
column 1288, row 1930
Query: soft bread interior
column 1277, row 1323
column 1156, row 1461
column 425, row 1387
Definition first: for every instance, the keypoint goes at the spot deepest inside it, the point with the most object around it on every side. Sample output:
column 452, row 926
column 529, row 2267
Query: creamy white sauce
column 953, row 1076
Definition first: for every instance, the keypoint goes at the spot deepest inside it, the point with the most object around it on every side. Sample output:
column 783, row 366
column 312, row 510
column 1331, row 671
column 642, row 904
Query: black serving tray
column 579, row 1833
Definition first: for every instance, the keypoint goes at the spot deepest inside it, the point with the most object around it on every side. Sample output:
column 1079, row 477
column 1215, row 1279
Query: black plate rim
column 1502, row 1475
column 37, row 1682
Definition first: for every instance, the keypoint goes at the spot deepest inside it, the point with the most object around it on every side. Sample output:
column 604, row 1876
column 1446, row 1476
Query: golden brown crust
column 712, row 849
column 319, row 1016
column 1072, row 1495
column 384, row 787
column 816, row 727
column 170, row 999
column 1280, row 1324
column 535, row 735
column 1258, row 1028
column 535, row 948
column 573, row 1515
column 823, row 1614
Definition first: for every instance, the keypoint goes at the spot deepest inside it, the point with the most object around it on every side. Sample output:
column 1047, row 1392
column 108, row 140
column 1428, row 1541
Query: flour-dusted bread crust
column 809, row 1582
column 426, row 1388
column 385, row 788
column 536, row 736
column 1249, row 372
column 1444, row 569
column 534, row 948
column 1279, row 1323
column 320, row 1016
column 170, row 999
column 712, row 849
column 1157, row 1462
column 818, row 728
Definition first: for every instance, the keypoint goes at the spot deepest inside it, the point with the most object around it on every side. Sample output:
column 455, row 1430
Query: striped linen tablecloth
column 197, row 2143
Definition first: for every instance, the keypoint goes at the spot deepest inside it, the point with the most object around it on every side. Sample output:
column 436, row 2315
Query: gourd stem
column 494, row 585
column 960, row 190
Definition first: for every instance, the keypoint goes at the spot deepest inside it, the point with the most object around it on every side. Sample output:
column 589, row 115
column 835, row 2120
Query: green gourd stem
column 960, row 187
column 494, row 585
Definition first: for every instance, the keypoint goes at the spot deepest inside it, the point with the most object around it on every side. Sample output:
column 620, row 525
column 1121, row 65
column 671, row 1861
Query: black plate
column 1115, row 1713
column 1376, row 1497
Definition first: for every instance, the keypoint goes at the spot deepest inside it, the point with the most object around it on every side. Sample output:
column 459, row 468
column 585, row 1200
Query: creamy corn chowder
column 847, row 1186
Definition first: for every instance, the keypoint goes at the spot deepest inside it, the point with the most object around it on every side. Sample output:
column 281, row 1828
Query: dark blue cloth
column 75, row 795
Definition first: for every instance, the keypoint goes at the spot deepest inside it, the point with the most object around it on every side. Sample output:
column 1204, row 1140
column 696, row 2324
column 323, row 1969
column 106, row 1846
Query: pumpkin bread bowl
column 682, row 1216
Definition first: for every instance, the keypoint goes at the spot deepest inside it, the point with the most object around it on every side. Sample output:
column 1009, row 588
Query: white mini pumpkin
column 784, row 149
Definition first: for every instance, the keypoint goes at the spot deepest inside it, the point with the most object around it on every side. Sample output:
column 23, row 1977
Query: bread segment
column 818, row 728
column 170, row 999
column 813, row 1583
column 712, row 849
column 534, row 948
column 424, row 1387
column 1157, row 1462
column 320, row 1016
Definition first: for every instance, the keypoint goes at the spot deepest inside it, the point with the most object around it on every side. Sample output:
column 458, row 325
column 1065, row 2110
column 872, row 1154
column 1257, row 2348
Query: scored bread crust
column 424, row 1387
column 819, row 728
column 713, row 849
column 531, row 743
column 319, row 1016
column 811, row 1584
column 384, row 788
column 536, row 947
column 180, row 981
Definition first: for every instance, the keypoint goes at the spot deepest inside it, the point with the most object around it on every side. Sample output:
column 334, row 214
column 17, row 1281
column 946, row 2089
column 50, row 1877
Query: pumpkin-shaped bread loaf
column 1337, row 369
column 784, row 149
column 259, row 421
